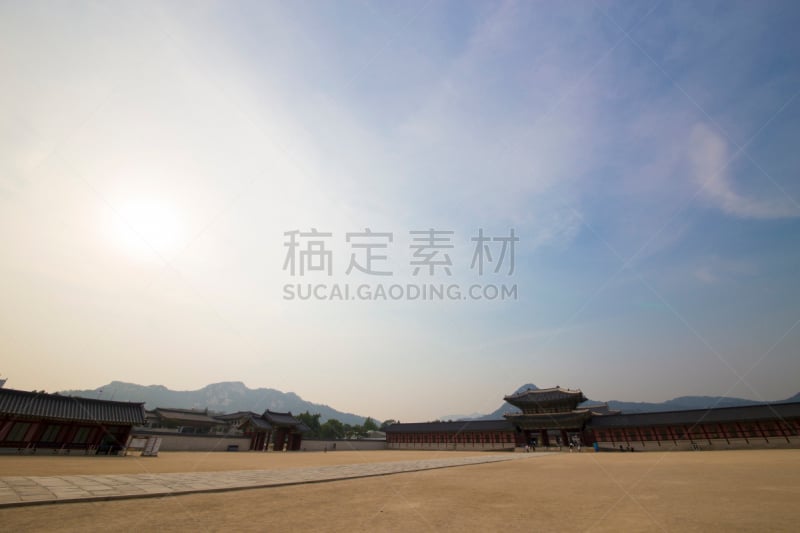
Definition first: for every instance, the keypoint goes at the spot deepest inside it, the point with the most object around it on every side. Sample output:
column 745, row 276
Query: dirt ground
column 50, row 465
column 686, row 491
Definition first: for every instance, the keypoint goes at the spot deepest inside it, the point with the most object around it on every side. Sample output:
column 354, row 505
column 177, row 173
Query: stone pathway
column 33, row 490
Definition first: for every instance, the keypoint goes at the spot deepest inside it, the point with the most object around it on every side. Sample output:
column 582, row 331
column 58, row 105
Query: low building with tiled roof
column 33, row 420
column 288, row 430
column 267, row 430
column 183, row 420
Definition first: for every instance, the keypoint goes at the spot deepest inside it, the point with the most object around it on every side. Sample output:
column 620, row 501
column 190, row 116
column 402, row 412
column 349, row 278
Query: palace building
column 282, row 431
column 34, row 421
column 30, row 421
column 548, row 416
column 555, row 418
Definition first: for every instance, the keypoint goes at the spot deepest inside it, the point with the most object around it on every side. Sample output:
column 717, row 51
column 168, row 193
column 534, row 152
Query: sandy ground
column 49, row 465
column 686, row 491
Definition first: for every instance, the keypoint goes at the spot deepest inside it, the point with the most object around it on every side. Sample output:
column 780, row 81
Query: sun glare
column 146, row 229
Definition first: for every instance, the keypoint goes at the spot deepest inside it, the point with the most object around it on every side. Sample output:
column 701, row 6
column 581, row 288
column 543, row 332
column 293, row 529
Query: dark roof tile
column 57, row 407
column 187, row 416
column 280, row 419
column 775, row 411
column 545, row 395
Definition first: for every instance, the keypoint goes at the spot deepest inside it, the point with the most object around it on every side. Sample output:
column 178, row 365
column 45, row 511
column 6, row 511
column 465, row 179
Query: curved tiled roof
column 281, row 419
column 56, row 407
column 189, row 416
column 775, row 411
column 259, row 423
column 238, row 415
column 545, row 395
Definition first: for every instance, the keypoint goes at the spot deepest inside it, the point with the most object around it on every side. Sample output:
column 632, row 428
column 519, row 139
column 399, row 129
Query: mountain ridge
column 224, row 396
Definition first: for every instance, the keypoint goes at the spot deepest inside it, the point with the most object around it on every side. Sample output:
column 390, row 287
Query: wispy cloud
column 714, row 269
column 710, row 159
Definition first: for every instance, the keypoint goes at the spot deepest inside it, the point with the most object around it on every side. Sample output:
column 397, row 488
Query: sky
column 174, row 176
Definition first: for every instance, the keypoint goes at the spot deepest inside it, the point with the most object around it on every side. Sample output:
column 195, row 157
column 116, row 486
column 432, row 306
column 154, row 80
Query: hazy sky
column 154, row 154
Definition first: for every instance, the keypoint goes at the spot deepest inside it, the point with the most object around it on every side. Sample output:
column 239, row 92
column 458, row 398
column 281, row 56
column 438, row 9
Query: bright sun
column 146, row 229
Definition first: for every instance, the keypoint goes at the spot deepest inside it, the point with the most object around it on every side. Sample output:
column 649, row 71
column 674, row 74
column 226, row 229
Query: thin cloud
column 709, row 157
column 713, row 270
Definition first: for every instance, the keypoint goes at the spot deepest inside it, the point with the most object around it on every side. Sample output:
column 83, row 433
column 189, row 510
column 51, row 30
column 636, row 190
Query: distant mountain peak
column 227, row 384
column 222, row 397
column 795, row 398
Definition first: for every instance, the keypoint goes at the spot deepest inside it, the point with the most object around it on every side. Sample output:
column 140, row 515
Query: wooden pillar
column 724, row 433
column 5, row 427
column 277, row 440
column 28, row 437
column 62, row 433
column 671, row 434
column 761, row 430
column 704, row 429
column 124, row 436
column 782, row 429
column 656, row 435
column 95, row 437
column 37, row 437
column 743, row 433
column 638, row 432
column 72, row 429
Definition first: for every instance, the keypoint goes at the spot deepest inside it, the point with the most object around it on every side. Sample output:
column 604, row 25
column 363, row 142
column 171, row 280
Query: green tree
column 312, row 421
column 332, row 429
column 370, row 425
column 386, row 423
column 355, row 432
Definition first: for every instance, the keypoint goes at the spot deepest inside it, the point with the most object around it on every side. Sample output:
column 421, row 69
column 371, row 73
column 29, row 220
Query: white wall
column 176, row 442
column 342, row 445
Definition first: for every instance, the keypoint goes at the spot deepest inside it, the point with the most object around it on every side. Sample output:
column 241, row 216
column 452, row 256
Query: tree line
column 334, row 429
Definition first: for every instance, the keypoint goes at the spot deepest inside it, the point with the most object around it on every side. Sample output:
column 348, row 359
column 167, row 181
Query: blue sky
column 153, row 155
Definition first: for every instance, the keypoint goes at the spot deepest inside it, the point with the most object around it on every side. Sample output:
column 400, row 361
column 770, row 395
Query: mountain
column 497, row 414
column 473, row 416
column 222, row 397
column 681, row 403
column 795, row 398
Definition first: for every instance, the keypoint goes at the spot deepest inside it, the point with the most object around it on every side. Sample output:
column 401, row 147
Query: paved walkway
column 33, row 490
